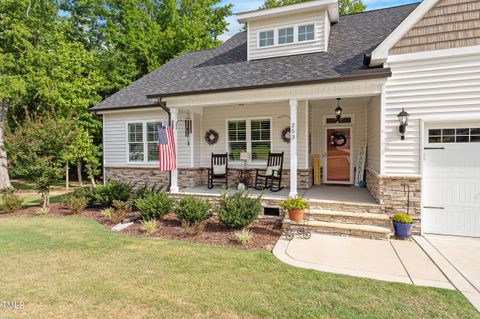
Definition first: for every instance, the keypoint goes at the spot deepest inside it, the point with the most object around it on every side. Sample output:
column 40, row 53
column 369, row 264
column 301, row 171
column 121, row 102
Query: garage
column 451, row 180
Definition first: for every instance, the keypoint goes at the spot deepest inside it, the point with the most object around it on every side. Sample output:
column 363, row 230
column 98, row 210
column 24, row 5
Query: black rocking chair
column 271, row 178
column 218, row 169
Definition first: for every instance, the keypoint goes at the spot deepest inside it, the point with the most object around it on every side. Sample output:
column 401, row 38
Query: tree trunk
column 79, row 171
column 46, row 198
column 4, row 177
column 67, row 181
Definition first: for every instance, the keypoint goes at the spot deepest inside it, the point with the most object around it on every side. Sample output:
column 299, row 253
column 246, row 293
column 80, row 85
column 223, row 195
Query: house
column 291, row 68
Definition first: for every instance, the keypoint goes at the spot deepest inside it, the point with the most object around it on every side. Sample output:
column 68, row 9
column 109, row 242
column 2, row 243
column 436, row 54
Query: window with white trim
column 306, row 32
column 454, row 135
column 142, row 142
column 285, row 35
column 249, row 135
column 266, row 38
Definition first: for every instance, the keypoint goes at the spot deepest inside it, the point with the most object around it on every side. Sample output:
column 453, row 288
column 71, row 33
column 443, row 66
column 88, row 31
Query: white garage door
column 451, row 181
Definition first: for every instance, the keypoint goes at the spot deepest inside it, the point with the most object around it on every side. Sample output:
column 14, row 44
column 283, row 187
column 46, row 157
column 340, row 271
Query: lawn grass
column 69, row 267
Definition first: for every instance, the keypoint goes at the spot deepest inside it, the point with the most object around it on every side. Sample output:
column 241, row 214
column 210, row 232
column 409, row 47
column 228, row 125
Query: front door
column 338, row 156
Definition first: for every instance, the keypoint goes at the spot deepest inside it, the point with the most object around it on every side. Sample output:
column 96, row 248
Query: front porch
column 321, row 193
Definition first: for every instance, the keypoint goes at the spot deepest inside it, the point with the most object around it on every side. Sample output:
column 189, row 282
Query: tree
column 346, row 6
column 38, row 149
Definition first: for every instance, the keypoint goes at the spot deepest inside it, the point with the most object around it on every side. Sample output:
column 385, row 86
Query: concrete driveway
column 462, row 254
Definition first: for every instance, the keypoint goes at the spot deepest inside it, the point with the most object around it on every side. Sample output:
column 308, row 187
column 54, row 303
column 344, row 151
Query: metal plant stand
column 299, row 228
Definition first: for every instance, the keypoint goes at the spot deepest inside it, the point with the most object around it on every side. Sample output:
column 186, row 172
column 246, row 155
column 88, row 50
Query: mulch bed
column 266, row 232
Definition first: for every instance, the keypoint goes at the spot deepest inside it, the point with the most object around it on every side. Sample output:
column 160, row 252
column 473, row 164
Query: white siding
column 215, row 118
column 197, row 139
column 373, row 134
column 317, row 17
column 356, row 108
column 447, row 88
column 115, row 137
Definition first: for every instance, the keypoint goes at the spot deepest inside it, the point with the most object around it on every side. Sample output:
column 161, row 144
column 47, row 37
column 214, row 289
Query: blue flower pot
column 402, row 230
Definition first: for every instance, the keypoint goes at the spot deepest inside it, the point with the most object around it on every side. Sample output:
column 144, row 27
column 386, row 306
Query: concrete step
column 348, row 217
column 341, row 229
column 353, row 207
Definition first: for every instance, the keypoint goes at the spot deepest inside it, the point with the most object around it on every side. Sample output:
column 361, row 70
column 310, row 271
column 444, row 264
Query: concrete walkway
column 396, row 261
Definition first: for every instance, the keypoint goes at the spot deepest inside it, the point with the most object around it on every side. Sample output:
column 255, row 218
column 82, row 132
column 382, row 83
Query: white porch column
column 293, row 148
column 174, row 178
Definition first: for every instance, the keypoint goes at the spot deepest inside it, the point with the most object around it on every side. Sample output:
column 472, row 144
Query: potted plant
column 295, row 207
column 402, row 224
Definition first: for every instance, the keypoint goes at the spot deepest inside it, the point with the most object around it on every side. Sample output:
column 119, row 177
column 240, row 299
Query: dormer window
column 266, row 38
column 285, row 35
column 306, row 32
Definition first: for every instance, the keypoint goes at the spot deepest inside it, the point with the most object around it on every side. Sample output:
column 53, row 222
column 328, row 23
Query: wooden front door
column 338, row 155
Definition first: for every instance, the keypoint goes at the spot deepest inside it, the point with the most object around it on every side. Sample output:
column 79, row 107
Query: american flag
column 166, row 148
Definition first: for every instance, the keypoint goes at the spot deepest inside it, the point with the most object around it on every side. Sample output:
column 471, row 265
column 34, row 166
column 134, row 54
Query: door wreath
column 211, row 137
column 338, row 139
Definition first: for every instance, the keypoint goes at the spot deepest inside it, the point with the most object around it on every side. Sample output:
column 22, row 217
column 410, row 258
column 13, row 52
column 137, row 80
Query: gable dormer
column 289, row 30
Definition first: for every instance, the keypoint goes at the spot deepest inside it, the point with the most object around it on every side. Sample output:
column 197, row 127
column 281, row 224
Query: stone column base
column 392, row 193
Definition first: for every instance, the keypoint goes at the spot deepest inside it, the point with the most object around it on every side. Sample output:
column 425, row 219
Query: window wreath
column 211, row 137
column 286, row 135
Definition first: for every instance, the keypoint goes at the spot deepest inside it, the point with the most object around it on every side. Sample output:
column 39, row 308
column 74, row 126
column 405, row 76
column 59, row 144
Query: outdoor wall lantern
column 403, row 119
column 338, row 111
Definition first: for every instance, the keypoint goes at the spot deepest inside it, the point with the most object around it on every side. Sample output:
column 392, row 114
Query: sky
column 247, row 5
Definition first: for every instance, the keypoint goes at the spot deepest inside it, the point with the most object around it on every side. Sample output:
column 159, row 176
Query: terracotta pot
column 296, row 215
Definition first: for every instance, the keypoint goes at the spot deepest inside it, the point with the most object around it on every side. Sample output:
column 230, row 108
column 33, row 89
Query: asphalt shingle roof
column 226, row 67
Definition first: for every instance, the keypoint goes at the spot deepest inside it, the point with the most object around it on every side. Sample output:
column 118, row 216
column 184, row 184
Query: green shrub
column 108, row 212
column 113, row 190
column 154, row 205
column 75, row 204
column 145, row 190
column 11, row 201
column 42, row 211
column 85, row 192
column 402, row 218
column 244, row 236
column 294, row 204
column 122, row 208
column 239, row 210
column 193, row 213
column 149, row 226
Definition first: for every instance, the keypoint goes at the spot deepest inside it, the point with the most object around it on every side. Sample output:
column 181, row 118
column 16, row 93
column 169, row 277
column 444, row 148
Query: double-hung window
column 249, row 135
column 285, row 35
column 306, row 32
column 142, row 142
column 266, row 38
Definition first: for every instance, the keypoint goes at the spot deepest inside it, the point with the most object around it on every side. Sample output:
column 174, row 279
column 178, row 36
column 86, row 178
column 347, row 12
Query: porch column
column 174, row 176
column 293, row 148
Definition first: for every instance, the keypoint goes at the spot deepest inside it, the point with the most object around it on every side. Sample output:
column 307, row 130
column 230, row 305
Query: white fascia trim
column 130, row 110
column 380, row 54
column 445, row 53
column 331, row 5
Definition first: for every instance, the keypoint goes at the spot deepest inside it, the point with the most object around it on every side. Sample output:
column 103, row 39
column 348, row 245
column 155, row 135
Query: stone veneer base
column 391, row 193
column 193, row 177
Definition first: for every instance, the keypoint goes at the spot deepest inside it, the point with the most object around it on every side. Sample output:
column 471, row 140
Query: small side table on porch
column 244, row 176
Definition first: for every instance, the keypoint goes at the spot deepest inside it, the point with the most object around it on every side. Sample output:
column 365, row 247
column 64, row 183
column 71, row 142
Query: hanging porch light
column 338, row 111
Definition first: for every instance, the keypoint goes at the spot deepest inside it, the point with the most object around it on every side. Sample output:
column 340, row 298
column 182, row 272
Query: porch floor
column 321, row 193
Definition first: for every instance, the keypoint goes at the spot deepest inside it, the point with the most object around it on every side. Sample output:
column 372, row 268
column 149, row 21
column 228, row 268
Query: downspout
column 163, row 105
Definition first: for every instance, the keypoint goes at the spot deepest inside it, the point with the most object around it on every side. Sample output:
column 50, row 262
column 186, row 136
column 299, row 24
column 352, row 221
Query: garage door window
column 454, row 135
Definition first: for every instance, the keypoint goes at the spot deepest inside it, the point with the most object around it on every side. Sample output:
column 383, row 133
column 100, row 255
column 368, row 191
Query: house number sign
column 293, row 133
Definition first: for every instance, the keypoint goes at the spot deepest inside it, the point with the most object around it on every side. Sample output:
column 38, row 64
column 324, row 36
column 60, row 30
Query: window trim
column 265, row 31
column 144, row 141
column 295, row 34
column 306, row 25
column 285, row 28
column 248, row 138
